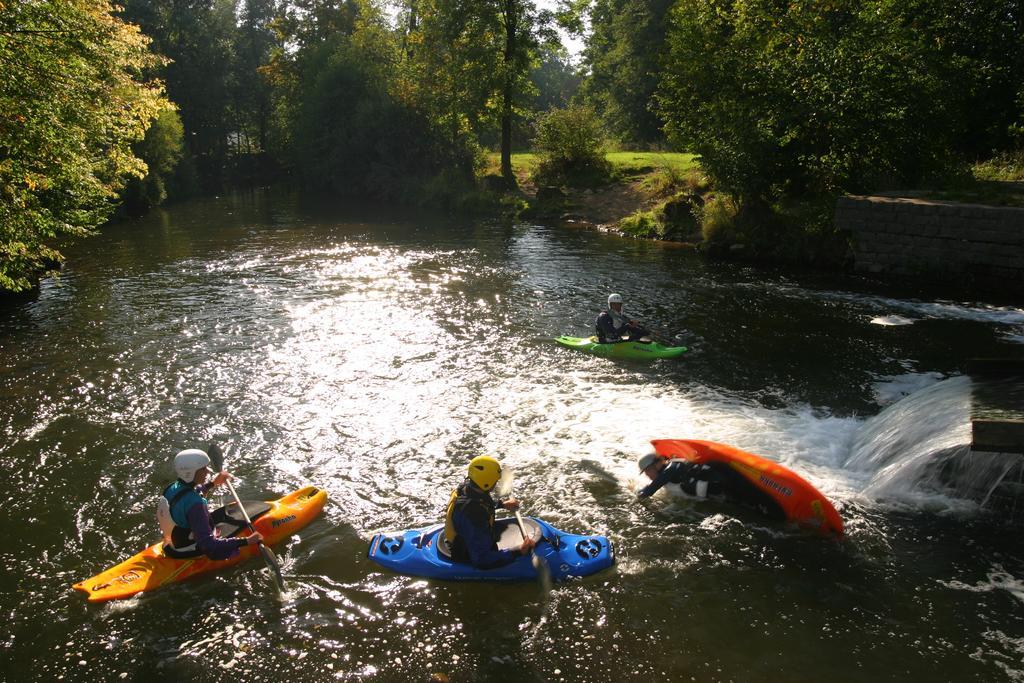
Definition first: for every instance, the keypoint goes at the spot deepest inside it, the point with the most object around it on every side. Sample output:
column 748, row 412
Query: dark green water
column 373, row 354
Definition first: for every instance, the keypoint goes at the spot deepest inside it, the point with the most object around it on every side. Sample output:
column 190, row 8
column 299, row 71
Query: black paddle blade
column 274, row 565
column 216, row 457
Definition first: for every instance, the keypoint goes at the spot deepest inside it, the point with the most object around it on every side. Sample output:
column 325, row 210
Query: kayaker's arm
column 620, row 320
column 218, row 480
column 670, row 474
column 208, row 544
column 652, row 488
column 693, row 478
column 606, row 332
column 625, row 323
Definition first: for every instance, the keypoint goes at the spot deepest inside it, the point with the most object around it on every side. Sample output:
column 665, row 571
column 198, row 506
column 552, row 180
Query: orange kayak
column 152, row 569
column 797, row 497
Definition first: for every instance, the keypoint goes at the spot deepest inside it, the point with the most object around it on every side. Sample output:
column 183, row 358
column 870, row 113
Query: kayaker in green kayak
column 469, row 524
column 613, row 324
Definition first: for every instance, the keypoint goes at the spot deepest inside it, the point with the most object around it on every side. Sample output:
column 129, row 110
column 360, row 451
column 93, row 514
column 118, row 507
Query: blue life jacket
column 181, row 496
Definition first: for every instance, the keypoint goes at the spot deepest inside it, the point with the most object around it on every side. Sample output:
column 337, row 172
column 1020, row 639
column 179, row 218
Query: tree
column 524, row 28
column 789, row 97
column 786, row 98
column 554, row 78
column 73, row 99
column 302, row 31
column 198, row 37
column 362, row 125
column 571, row 146
column 450, row 71
column 482, row 53
column 251, row 98
column 624, row 56
column 979, row 53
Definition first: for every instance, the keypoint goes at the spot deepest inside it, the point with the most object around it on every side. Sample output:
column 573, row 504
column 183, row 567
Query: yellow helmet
column 484, row 471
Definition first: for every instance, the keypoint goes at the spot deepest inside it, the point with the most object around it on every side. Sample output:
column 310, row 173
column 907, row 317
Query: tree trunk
column 511, row 27
column 506, row 140
column 410, row 28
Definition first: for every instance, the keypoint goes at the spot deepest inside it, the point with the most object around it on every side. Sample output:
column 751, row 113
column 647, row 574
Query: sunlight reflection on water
column 375, row 360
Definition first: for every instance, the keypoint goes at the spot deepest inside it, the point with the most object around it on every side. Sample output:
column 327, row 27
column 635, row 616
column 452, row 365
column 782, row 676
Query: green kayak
column 626, row 349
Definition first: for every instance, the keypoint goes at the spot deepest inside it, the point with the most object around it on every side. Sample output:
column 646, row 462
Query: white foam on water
column 998, row 580
column 891, row 320
column 607, row 427
column 890, row 311
column 1016, row 337
column 890, row 459
column 899, row 448
column 890, row 389
column 1012, row 664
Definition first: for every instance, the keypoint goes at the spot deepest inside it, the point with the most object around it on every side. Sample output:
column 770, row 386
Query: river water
column 373, row 353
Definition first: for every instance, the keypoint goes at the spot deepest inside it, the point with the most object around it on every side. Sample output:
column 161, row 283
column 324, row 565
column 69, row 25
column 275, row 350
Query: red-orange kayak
column 797, row 497
column 151, row 569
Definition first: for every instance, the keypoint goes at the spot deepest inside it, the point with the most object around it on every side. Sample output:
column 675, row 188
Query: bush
column 674, row 219
column 670, row 179
column 1008, row 166
column 161, row 149
column 718, row 221
column 795, row 231
column 641, row 224
column 571, row 146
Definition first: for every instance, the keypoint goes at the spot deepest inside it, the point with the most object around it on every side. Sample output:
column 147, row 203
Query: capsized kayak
column 798, row 498
column 417, row 552
column 633, row 350
column 151, row 568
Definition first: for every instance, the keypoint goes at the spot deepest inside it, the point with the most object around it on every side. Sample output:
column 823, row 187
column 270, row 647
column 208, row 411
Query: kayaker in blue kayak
column 469, row 521
column 613, row 324
column 703, row 480
column 184, row 514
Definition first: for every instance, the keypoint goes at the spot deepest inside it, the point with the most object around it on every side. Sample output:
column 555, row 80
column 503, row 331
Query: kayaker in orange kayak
column 703, row 480
column 184, row 515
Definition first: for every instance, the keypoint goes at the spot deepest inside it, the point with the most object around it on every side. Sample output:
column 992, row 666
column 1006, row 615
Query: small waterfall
column 919, row 449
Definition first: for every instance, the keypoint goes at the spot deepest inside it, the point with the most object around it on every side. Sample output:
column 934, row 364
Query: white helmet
column 647, row 460
column 188, row 462
column 614, row 299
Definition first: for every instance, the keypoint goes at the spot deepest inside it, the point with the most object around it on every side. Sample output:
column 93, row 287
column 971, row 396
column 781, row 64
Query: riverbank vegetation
column 76, row 93
column 778, row 107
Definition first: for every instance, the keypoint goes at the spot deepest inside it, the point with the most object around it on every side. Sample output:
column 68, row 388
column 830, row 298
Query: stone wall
column 922, row 238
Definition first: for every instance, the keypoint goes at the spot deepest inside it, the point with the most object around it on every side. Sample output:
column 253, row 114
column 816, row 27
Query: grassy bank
column 638, row 196
column 664, row 195
column 624, row 164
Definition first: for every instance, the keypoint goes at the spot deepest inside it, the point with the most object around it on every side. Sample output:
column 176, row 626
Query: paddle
column 658, row 335
column 503, row 489
column 217, row 457
column 538, row 563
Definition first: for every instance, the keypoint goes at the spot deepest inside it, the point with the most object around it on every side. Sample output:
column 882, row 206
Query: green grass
column 645, row 162
column 624, row 163
column 521, row 162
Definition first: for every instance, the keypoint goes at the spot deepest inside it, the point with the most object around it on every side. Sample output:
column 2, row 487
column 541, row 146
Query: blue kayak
column 416, row 553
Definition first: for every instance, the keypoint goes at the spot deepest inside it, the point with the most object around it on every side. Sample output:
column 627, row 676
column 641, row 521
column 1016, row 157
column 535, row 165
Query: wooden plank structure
column 997, row 428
